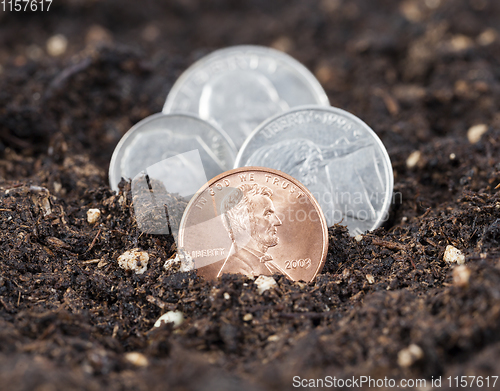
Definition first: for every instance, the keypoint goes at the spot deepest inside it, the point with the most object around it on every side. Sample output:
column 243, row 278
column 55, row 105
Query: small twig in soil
column 388, row 244
column 6, row 305
column 93, row 241
column 92, row 261
column 66, row 74
column 161, row 304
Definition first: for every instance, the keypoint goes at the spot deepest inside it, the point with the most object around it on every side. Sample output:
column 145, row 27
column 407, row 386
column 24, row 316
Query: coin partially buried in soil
column 162, row 136
column 241, row 86
column 336, row 155
column 255, row 221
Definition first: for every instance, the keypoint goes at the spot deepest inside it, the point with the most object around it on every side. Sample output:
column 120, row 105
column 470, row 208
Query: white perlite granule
column 247, row 317
column 175, row 317
column 408, row 356
column 413, row 159
column 461, row 276
column 264, row 283
column 138, row 359
column 93, row 215
column 475, row 133
column 182, row 257
column 134, row 260
column 57, row 45
column 453, row 255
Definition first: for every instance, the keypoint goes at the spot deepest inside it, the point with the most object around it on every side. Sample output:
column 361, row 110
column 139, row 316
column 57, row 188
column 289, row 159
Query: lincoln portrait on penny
column 249, row 216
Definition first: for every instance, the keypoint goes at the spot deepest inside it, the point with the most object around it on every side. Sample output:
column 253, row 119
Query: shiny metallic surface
column 162, row 136
column 241, row 86
column 336, row 155
column 254, row 221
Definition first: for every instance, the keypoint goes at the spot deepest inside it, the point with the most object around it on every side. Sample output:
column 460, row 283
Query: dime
column 241, row 86
column 254, row 221
column 336, row 155
column 162, row 136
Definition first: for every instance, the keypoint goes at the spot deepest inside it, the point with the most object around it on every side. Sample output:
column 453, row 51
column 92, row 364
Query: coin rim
column 352, row 117
column 306, row 191
column 317, row 89
column 136, row 128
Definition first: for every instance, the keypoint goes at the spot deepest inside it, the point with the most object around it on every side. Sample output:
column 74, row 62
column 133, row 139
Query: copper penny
column 255, row 221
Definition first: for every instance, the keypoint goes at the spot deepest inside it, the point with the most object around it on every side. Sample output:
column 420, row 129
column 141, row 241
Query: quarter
column 241, row 86
column 337, row 156
column 255, row 221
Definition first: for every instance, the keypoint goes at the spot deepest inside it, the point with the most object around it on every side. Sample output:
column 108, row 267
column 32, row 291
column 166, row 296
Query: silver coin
column 335, row 155
column 162, row 136
column 241, row 86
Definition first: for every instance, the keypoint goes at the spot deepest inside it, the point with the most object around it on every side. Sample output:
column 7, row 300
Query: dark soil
column 420, row 73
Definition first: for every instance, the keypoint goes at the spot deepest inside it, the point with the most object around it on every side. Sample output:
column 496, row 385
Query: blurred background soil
column 424, row 74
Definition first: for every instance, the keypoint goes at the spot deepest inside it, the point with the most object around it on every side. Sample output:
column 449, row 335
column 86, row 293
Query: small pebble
column 461, row 42
column 358, row 238
column 227, row 296
column 433, row 4
column 247, row 317
column 283, row 43
column 134, row 260
column 175, row 317
column 409, row 93
column 475, row 133
column 93, row 215
column 57, row 187
column 461, row 276
column 57, row 45
column 411, row 11
column 273, row 338
column 370, row 279
column 330, row 5
column 487, row 37
column 150, row 33
column 413, row 159
column 453, row 255
column 264, row 283
column 408, row 356
column 98, row 35
column 138, row 359
column 325, row 73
